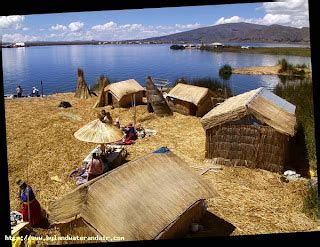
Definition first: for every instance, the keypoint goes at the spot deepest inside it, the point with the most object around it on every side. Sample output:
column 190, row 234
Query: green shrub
column 300, row 93
column 298, row 70
column 225, row 72
column 284, row 65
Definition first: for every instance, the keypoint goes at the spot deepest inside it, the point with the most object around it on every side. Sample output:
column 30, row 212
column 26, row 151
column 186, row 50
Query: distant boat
column 19, row 44
column 216, row 45
column 245, row 47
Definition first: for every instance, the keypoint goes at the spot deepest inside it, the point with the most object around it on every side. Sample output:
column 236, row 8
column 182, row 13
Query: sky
column 146, row 23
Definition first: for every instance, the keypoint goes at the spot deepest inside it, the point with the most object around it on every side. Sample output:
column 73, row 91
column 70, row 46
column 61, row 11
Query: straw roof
column 137, row 200
column 98, row 132
column 190, row 93
column 264, row 105
column 122, row 88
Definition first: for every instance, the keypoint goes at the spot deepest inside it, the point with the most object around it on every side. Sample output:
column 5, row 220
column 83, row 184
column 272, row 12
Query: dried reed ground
column 41, row 145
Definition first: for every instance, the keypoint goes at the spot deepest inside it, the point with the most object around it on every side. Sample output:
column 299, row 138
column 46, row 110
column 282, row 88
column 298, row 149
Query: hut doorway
column 193, row 110
column 109, row 99
column 150, row 108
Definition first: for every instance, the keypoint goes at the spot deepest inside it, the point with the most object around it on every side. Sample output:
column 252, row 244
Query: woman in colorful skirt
column 27, row 197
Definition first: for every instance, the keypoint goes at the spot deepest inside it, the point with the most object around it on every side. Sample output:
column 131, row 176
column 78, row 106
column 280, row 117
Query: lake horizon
column 56, row 66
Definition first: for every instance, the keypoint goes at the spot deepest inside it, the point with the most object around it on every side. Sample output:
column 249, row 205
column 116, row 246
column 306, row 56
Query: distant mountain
column 239, row 32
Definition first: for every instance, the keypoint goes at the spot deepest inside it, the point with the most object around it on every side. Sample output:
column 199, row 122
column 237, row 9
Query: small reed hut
column 156, row 101
column 121, row 94
column 252, row 129
column 156, row 196
column 82, row 90
column 190, row 100
column 102, row 83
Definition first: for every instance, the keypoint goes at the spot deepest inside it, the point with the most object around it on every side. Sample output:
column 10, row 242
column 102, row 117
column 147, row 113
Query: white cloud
column 188, row 26
column 59, row 27
column 113, row 31
column 72, row 27
column 287, row 12
column 233, row 19
column 12, row 21
column 18, row 37
column 270, row 19
column 107, row 26
column 75, row 26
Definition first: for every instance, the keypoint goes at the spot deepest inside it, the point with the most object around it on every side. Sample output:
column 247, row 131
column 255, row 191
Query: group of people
column 34, row 92
column 131, row 133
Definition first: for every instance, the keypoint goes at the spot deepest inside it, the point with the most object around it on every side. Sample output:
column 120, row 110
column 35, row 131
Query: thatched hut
column 252, row 129
column 121, row 94
column 156, row 196
column 102, row 83
column 190, row 100
column 82, row 90
column 156, row 101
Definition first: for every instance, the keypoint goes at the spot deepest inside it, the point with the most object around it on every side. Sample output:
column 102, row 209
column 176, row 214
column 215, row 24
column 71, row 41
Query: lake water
column 57, row 66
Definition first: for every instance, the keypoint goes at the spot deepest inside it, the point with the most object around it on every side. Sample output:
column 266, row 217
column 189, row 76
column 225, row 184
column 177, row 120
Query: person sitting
column 30, row 205
column 35, row 92
column 130, row 134
column 106, row 117
column 117, row 123
column 140, row 131
column 95, row 167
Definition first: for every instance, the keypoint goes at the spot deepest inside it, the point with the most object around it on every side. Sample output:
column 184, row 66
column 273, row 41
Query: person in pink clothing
column 95, row 167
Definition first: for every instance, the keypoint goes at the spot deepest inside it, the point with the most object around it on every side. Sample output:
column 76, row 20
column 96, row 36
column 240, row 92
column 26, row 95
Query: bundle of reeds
column 156, row 101
column 101, row 84
column 82, row 90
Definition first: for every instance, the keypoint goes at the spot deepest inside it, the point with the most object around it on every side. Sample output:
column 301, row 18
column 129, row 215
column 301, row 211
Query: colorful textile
column 35, row 212
column 162, row 150
column 24, row 194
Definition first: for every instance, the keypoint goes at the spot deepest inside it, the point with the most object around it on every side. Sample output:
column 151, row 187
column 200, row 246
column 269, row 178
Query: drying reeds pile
column 101, row 83
column 82, row 90
column 43, row 151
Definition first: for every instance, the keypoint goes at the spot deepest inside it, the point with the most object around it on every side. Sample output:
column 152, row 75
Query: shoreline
column 262, row 70
column 285, row 51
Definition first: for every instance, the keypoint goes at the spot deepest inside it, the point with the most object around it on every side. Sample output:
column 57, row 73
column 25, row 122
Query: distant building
column 216, row 44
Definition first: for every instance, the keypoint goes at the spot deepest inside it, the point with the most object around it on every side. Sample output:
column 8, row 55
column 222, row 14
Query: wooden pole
column 135, row 112
column 41, row 89
column 28, row 199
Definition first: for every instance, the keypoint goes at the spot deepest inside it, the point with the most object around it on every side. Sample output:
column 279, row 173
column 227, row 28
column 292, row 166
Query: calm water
column 57, row 66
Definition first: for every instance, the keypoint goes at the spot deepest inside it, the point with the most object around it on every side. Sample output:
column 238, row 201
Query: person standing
column 19, row 91
column 31, row 209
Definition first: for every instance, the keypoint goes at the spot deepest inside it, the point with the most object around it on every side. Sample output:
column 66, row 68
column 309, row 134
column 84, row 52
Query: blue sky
column 144, row 23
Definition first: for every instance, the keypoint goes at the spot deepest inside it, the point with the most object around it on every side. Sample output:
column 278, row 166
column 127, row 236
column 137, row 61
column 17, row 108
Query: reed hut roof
column 137, row 200
column 122, row 88
column 98, row 132
column 188, row 93
column 263, row 104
